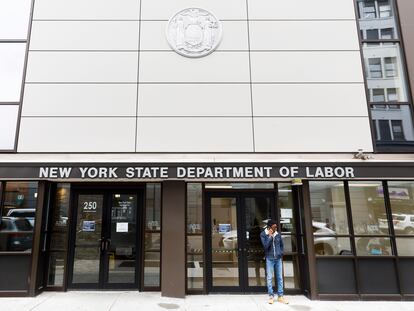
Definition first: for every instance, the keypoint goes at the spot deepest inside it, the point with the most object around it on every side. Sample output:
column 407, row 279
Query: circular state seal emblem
column 194, row 32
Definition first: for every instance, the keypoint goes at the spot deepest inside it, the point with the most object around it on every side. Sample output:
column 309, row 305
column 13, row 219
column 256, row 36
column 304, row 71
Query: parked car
column 28, row 213
column 403, row 223
column 15, row 234
column 325, row 240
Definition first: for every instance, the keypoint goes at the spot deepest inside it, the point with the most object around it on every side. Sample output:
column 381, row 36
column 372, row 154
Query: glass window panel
column 152, row 241
column 377, row 15
column 373, row 246
column 368, row 208
column 394, row 123
column 195, row 271
column 153, row 207
column 19, row 205
column 61, row 207
column 372, row 34
column 405, row 246
column 86, row 265
column 289, row 243
column 378, row 95
column 329, row 215
column 194, row 208
column 385, row 68
column 12, row 56
column 327, row 246
column 291, row 272
column 286, row 208
column 14, row 19
column 402, row 205
column 152, row 269
column 224, row 239
column 8, row 125
column 56, row 269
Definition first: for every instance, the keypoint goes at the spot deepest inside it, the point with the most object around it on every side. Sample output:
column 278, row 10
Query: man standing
column 273, row 248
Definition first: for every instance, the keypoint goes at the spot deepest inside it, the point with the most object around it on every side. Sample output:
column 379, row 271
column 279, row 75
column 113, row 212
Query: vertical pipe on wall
column 173, row 252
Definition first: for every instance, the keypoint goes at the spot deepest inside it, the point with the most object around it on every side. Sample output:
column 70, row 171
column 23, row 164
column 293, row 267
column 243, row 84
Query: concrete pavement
column 128, row 301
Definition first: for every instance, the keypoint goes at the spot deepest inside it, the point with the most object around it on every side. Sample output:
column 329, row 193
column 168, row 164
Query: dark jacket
column 273, row 246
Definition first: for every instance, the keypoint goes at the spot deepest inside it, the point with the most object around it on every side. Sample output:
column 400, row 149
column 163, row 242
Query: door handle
column 102, row 245
column 107, row 244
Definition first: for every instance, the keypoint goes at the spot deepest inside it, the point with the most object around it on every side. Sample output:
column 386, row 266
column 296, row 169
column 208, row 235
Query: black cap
column 271, row 222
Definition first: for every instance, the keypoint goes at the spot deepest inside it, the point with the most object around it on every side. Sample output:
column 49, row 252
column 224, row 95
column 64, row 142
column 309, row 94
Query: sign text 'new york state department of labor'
column 195, row 172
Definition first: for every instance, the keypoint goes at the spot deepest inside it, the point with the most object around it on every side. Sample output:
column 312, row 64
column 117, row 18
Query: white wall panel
column 8, row 124
column 12, row 57
column 309, row 100
column 86, row 9
column 153, row 36
column 165, row 9
column 194, row 135
column 301, row 9
column 306, row 66
column 84, row 35
column 312, row 134
column 304, row 35
column 217, row 67
column 194, row 100
column 82, row 67
column 77, row 135
column 79, row 100
column 14, row 19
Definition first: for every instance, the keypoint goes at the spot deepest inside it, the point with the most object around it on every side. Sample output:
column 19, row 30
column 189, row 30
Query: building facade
column 144, row 144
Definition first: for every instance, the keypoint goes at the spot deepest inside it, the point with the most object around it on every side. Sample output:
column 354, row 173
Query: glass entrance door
column 105, row 252
column 235, row 254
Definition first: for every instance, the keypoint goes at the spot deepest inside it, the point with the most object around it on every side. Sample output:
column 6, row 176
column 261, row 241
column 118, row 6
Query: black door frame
column 239, row 195
column 106, row 191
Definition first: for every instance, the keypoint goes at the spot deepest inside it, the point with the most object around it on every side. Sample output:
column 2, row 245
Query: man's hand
column 270, row 232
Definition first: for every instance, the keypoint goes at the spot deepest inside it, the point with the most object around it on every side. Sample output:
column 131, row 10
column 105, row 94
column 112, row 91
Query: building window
column 194, row 232
column 152, row 237
column 17, row 217
column 385, row 73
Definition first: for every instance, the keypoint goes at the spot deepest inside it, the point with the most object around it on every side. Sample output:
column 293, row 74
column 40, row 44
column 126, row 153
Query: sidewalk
column 127, row 301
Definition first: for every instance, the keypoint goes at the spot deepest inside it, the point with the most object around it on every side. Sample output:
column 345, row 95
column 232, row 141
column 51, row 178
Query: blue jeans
column 274, row 266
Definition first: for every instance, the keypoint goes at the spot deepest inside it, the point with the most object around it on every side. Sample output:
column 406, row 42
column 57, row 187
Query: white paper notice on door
column 121, row 227
column 286, row 213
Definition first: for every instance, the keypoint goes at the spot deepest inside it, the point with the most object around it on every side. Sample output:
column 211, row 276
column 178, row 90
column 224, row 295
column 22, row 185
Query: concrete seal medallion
column 194, row 32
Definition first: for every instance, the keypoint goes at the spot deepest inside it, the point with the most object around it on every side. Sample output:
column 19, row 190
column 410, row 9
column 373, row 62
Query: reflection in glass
column 195, row 266
column 257, row 212
column 401, row 195
column 385, row 74
column 86, row 265
column 153, row 207
column 368, row 208
column 286, row 208
column 376, row 19
column 224, row 238
column 326, row 246
column 405, row 246
column 88, row 238
column 122, row 252
column 373, row 246
column 328, row 207
column 289, row 243
column 56, row 269
column 152, row 269
column 291, row 272
column 194, row 208
column 18, row 216
column 152, row 237
column 392, row 123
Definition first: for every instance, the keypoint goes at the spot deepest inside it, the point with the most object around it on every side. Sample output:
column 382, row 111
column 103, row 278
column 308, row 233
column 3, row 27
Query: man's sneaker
column 271, row 300
column 282, row 299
